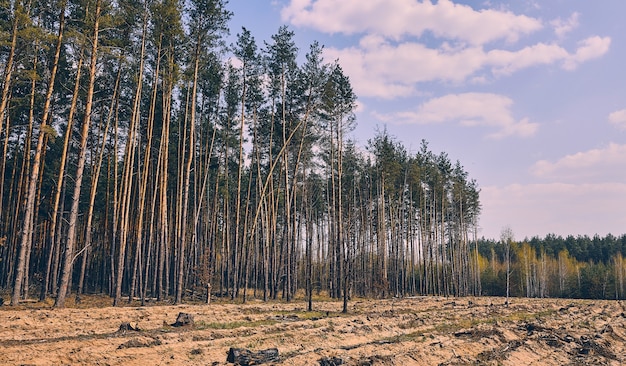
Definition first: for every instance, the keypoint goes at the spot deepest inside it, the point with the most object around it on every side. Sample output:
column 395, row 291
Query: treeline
column 142, row 161
column 553, row 266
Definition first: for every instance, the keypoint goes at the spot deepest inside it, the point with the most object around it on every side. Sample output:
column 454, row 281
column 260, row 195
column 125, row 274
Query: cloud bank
column 596, row 165
column 406, row 42
column 468, row 109
column 400, row 18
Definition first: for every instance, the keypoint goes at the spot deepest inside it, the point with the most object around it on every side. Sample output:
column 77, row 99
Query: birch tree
column 506, row 238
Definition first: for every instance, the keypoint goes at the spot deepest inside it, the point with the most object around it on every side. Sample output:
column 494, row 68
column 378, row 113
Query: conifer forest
column 147, row 157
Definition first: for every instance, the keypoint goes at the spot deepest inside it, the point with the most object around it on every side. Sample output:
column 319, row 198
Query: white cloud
column 562, row 27
column 380, row 68
column 507, row 62
column 392, row 57
column 618, row 118
column 595, row 165
column 468, row 109
column 400, row 18
column 559, row 208
column 590, row 48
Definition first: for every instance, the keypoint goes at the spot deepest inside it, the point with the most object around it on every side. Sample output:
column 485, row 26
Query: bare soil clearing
column 411, row 331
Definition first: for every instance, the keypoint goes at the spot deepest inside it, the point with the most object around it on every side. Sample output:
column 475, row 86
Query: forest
column 146, row 158
column 553, row 266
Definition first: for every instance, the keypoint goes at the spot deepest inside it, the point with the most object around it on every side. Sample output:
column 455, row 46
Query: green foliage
column 578, row 267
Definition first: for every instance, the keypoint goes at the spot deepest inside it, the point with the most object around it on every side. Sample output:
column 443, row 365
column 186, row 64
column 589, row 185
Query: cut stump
column 244, row 357
column 184, row 320
column 330, row 361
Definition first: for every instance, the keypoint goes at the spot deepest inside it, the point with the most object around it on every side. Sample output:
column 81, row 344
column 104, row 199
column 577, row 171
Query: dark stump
column 246, row 357
column 184, row 320
column 330, row 361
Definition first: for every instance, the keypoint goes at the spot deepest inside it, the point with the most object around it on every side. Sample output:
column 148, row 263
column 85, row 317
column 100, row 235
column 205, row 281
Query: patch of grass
column 524, row 316
column 452, row 327
column 413, row 323
column 139, row 343
column 252, row 310
column 201, row 325
column 255, row 344
column 419, row 336
column 307, row 315
column 313, row 315
column 330, row 327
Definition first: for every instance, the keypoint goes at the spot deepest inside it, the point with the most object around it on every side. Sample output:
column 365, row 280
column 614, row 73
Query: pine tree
column 73, row 221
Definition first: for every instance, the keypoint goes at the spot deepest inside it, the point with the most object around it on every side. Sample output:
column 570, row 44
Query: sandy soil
column 413, row 331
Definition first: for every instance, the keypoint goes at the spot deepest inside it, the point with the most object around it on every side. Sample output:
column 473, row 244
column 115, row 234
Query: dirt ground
column 410, row 331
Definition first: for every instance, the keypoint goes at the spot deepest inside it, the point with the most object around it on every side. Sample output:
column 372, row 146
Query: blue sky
column 530, row 96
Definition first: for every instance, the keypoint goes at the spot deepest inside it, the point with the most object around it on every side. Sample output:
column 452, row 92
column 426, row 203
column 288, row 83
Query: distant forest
column 553, row 266
column 147, row 159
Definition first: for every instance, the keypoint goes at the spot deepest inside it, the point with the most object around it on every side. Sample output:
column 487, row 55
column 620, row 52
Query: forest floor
column 410, row 331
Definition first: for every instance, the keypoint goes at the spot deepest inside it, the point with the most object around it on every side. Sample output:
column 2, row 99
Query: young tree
column 506, row 239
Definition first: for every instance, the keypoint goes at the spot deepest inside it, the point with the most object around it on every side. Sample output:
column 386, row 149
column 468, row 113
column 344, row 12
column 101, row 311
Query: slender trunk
column 95, row 177
column 8, row 68
column 143, row 183
column 31, row 119
column 187, row 180
column 3, row 172
column 163, row 273
column 71, row 236
column 508, row 271
column 128, row 173
column 239, row 177
column 28, row 219
column 478, row 282
column 309, row 252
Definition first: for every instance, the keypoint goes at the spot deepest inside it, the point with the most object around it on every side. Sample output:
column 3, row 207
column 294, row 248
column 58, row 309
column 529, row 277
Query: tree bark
column 30, row 202
column 71, row 236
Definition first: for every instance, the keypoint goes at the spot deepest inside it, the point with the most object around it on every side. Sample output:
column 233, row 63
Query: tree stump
column 330, row 361
column 244, row 357
column 126, row 326
column 184, row 320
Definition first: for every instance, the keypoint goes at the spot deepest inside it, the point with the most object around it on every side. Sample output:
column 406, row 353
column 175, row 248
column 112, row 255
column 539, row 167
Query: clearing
column 410, row 331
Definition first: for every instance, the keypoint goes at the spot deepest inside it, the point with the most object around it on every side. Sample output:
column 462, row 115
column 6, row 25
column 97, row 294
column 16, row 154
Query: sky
column 529, row 95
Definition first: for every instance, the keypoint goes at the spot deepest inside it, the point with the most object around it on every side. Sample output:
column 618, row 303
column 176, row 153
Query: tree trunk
column 8, row 68
column 28, row 217
column 71, row 236
column 187, row 180
column 129, row 159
